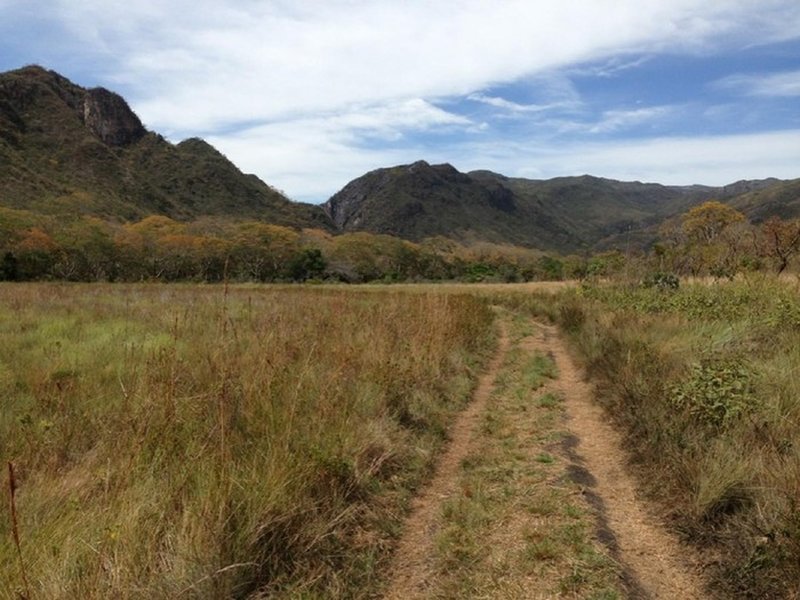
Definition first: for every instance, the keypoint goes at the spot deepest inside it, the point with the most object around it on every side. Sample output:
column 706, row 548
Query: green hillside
column 565, row 214
column 66, row 150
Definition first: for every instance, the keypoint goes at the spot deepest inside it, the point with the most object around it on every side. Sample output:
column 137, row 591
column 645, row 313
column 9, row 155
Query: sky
column 310, row 94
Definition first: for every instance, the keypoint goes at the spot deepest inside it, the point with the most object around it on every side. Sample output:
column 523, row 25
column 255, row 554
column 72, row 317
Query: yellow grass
column 199, row 441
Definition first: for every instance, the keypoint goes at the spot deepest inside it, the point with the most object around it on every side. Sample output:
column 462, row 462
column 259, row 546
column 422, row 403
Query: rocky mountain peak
column 110, row 118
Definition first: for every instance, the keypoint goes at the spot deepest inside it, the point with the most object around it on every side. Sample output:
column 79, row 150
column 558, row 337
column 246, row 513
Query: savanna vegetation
column 214, row 442
column 245, row 441
column 710, row 239
column 704, row 380
column 235, row 441
column 157, row 248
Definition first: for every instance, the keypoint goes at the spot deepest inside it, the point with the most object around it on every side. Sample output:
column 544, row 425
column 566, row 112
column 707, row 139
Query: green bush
column 717, row 392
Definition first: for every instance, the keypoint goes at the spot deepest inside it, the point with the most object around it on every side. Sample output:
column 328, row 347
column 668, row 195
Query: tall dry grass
column 706, row 382
column 206, row 442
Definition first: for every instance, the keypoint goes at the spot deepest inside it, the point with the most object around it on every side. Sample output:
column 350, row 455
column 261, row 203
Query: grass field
column 191, row 441
column 253, row 441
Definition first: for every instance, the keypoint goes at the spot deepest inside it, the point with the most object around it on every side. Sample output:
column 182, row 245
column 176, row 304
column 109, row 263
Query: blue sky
column 311, row 94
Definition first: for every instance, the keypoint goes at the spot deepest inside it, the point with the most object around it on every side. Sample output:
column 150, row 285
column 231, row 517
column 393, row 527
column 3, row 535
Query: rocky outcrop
column 110, row 118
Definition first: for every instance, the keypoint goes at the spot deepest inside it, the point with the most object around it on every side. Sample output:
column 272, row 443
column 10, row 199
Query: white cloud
column 290, row 151
column 205, row 64
column 611, row 67
column 513, row 107
column 311, row 93
column 311, row 157
column 614, row 120
column 784, row 84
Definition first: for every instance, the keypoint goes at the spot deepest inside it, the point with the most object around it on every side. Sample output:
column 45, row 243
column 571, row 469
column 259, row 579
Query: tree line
column 710, row 239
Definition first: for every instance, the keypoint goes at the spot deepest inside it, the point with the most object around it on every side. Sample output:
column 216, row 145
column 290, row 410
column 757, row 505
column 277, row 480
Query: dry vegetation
column 200, row 441
column 704, row 380
column 519, row 524
column 192, row 441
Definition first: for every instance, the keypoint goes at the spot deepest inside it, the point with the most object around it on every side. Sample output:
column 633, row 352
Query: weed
column 716, row 392
column 704, row 381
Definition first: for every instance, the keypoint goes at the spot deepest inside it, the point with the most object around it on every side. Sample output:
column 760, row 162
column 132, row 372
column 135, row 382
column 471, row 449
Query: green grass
column 206, row 442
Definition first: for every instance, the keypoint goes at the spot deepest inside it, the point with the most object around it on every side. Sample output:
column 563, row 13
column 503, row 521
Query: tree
column 9, row 269
column 140, row 243
column 309, row 264
column 89, row 252
column 36, row 254
column 714, row 236
column 706, row 222
column 780, row 240
column 264, row 252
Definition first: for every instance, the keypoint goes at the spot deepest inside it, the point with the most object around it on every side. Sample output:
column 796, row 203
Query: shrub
column 661, row 281
column 717, row 392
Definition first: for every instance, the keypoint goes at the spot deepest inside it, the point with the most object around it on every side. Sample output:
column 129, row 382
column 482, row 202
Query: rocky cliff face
column 110, row 118
column 407, row 185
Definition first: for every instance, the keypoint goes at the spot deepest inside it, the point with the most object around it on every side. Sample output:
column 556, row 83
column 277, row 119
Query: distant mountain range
column 66, row 150
column 566, row 214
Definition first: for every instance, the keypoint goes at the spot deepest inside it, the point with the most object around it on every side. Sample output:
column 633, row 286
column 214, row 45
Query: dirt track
column 652, row 562
column 652, row 556
column 411, row 568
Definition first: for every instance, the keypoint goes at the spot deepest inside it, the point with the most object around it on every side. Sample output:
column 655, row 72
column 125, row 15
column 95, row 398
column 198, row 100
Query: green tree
column 714, row 238
column 308, row 264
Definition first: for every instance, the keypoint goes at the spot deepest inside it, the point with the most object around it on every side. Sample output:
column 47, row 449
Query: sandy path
column 652, row 557
column 654, row 564
column 411, row 568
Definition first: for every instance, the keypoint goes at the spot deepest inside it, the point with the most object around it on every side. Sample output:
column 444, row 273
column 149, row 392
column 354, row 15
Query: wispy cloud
column 785, row 84
column 346, row 142
column 712, row 160
column 611, row 67
column 513, row 107
column 309, row 94
column 615, row 120
column 202, row 64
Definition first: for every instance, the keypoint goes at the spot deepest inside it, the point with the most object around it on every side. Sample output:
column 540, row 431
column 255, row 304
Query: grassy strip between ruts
column 517, row 526
column 206, row 442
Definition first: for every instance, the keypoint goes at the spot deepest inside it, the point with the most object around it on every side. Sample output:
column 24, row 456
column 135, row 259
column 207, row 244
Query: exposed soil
column 411, row 567
column 653, row 563
column 653, row 558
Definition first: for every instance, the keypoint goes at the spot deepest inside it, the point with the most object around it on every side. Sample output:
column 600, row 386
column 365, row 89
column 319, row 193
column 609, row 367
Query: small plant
column 661, row 281
column 549, row 400
column 717, row 392
column 571, row 316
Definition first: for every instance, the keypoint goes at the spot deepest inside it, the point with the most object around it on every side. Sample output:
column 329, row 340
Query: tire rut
column 655, row 564
column 410, row 570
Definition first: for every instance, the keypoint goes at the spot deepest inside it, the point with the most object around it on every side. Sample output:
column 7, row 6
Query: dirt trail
column 653, row 562
column 652, row 556
column 411, row 568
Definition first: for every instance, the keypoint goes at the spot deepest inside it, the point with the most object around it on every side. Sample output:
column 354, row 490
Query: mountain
column 781, row 198
column 68, row 150
column 422, row 200
column 565, row 214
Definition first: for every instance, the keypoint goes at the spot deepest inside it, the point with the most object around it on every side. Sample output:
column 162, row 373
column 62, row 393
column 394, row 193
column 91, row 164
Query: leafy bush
column 717, row 392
